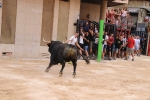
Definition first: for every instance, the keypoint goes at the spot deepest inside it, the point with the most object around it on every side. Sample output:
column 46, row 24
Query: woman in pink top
column 112, row 14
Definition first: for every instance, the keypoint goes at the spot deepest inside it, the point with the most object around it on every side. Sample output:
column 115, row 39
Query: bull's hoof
column 46, row 70
column 74, row 74
column 60, row 74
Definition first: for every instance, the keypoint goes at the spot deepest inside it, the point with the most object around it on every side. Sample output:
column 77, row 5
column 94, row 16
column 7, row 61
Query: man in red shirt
column 110, row 44
column 130, row 46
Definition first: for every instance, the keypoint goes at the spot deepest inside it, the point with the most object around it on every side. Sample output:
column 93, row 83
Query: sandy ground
column 25, row 79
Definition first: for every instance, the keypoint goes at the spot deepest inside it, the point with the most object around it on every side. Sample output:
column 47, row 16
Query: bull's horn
column 46, row 41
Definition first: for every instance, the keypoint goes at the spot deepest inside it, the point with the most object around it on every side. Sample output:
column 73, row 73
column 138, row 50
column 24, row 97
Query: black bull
column 62, row 53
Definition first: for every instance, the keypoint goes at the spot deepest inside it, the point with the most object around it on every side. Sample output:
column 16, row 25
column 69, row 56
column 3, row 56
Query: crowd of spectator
column 114, row 46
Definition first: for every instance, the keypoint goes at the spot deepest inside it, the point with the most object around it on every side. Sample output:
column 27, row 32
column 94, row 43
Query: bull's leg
column 74, row 67
column 63, row 65
column 50, row 64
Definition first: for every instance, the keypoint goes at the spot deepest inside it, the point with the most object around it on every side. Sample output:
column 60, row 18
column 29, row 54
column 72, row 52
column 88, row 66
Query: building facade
column 24, row 23
column 138, row 10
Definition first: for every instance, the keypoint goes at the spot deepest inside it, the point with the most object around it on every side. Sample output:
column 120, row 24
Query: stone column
column 0, row 16
column 103, row 10
column 55, row 20
column 28, row 28
column 74, row 12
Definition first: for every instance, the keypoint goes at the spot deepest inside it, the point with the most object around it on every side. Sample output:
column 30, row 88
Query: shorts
column 109, row 48
column 81, row 45
column 86, row 48
column 96, row 46
column 105, row 47
column 109, row 20
column 123, row 49
column 116, row 50
column 130, row 50
column 91, row 44
column 136, row 47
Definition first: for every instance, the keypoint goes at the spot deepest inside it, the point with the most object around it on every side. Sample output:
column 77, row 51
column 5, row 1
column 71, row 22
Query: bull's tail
column 86, row 59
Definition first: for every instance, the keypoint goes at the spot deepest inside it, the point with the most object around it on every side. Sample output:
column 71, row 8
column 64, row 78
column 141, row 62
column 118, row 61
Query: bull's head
column 51, row 44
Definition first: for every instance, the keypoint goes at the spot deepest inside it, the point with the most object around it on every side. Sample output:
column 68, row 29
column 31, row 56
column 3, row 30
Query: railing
column 121, row 1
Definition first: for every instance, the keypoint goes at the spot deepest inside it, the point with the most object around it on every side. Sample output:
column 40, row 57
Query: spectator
column 86, row 43
column 96, row 43
column 73, row 41
column 130, row 44
column 81, row 35
column 112, row 14
column 137, row 45
column 123, row 13
column 123, row 49
column 86, row 28
column 143, row 43
column 91, row 36
column 117, row 17
column 105, row 40
column 118, row 45
column 110, row 45
column 107, row 15
column 81, row 25
column 123, row 17
column 96, row 29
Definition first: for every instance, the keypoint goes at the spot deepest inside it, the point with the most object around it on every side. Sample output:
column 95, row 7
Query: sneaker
column 88, row 57
column 132, row 59
column 80, row 58
column 125, row 59
column 139, row 55
column 109, row 58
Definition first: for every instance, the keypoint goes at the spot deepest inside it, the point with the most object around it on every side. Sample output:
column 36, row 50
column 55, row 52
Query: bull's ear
column 49, row 44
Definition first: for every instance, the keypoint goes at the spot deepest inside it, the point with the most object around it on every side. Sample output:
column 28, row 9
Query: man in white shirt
column 123, row 49
column 74, row 41
column 137, row 45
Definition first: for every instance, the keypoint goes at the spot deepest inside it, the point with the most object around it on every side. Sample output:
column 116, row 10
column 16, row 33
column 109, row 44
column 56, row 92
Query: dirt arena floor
column 25, row 79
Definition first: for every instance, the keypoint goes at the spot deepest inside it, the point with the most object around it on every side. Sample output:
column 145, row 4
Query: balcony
column 109, row 4
column 121, row 1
